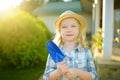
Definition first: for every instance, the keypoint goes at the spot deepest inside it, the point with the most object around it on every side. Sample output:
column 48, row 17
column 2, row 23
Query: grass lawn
column 109, row 74
column 26, row 74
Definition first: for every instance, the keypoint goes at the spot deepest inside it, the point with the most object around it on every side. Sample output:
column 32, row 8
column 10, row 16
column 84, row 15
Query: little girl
column 78, row 63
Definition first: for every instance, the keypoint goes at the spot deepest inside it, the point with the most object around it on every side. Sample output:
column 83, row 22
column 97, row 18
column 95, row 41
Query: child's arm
column 54, row 71
column 82, row 75
column 50, row 67
column 61, row 70
column 90, row 74
column 91, row 65
column 55, row 75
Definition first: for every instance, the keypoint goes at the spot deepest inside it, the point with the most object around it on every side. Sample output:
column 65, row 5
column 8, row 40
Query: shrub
column 22, row 40
column 116, row 34
column 97, row 41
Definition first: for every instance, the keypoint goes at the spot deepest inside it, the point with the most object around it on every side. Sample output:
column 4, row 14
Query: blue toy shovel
column 54, row 51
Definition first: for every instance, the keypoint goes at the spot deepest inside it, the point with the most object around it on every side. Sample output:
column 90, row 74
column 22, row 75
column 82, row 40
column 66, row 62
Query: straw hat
column 70, row 14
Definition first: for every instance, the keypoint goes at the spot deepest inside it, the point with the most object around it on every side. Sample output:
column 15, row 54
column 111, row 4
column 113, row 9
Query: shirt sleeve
column 50, row 67
column 91, row 66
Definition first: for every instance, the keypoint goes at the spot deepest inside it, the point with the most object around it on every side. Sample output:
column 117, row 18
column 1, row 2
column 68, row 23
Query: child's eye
column 73, row 26
column 63, row 27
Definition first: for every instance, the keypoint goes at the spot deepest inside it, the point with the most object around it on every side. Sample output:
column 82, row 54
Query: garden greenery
column 22, row 40
column 97, row 41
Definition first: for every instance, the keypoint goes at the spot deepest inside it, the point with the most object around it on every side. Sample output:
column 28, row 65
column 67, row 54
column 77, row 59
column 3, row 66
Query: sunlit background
column 21, row 43
column 7, row 5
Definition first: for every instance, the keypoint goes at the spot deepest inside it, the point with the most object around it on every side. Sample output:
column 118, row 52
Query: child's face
column 69, row 29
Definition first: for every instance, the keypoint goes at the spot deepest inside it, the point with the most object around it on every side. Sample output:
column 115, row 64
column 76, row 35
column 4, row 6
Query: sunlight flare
column 8, row 4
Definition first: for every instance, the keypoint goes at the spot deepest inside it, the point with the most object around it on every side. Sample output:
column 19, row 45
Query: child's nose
column 69, row 29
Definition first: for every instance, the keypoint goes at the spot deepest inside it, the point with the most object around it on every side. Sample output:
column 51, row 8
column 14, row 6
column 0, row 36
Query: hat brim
column 80, row 19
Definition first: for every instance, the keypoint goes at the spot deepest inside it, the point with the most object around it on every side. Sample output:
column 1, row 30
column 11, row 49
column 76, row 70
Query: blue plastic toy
column 54, row 51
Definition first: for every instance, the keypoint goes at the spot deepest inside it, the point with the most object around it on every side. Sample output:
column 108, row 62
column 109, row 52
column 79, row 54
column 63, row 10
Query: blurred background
column 26, row 25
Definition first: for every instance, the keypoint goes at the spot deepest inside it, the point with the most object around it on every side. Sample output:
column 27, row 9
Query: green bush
column 97, row 41
column 22, row 40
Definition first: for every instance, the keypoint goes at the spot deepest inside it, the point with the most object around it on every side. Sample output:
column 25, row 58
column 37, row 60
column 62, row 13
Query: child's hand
column 62, row 68
column 72, row 73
